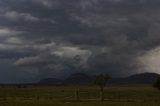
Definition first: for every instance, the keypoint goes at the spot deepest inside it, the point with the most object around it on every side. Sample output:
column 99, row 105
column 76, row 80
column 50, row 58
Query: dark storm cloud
column 59, row 37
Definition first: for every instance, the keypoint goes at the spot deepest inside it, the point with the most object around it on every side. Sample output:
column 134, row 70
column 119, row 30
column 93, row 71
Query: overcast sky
column 54, row 38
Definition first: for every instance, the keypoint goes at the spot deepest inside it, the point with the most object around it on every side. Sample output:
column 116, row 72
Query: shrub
column 157, row 84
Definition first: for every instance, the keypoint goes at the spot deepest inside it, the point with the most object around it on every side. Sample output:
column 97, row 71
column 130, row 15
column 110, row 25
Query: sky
column 55, row 38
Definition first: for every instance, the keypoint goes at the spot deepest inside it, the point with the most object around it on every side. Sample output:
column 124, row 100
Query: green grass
column 89, row 96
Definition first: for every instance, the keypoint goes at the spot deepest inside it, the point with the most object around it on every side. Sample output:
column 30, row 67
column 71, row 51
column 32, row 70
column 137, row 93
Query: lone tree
column 101, row 81
column 77, row 60
column 157, row 84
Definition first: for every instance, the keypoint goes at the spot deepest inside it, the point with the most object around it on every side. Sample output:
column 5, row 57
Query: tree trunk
column 102, row 94
column 77, row 95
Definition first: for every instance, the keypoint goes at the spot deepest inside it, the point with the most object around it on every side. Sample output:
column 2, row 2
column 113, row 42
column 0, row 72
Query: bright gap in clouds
column 151, row 61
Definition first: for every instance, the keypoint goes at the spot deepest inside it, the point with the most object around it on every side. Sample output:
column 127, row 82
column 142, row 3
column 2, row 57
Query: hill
column 84, row 79
column 50, row 81
column 143, row 78
column 78, row 78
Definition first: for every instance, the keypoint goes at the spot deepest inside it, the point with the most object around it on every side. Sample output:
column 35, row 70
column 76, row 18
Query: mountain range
column 84, row 79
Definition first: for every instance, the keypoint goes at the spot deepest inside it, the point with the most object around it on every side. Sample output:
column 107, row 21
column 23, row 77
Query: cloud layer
column 53, row 38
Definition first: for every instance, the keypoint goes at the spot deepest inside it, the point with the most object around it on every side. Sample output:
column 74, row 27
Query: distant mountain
column 144, row 78
column 50, row 81
column 78, row 78
column 84, row 79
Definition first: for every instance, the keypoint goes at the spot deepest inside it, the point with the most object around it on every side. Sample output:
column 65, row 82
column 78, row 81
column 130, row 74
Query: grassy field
column 89, row 96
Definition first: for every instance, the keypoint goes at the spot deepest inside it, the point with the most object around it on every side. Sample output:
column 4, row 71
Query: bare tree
column 101, row 81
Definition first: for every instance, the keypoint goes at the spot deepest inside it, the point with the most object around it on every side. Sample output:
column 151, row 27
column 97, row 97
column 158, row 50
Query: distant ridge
column 84, row 79
column 50, row 81
column 78, row 78
column 143, row 78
